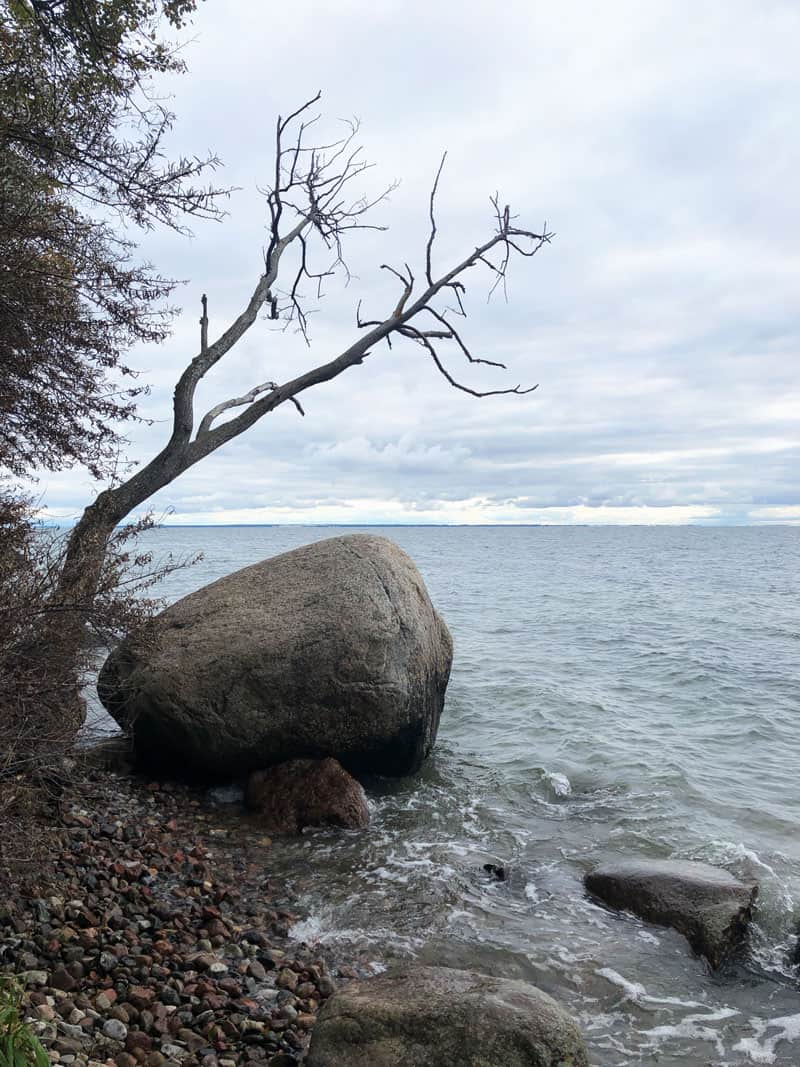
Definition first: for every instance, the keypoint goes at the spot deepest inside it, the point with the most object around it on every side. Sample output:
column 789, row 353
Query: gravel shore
column 157, row 939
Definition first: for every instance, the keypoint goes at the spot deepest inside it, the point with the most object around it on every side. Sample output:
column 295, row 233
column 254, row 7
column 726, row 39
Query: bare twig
column 432, row 235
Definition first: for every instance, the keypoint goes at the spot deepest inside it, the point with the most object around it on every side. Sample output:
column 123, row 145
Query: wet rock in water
column 709, row 906
column 434, row 1015
column 333, row 649
column 499, row 873
column 307, row 793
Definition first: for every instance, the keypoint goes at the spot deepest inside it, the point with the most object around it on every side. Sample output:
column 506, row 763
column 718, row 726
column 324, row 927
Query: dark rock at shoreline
column 709, row 906
column 333, row 649
column 302, row 793
column 434, row 1015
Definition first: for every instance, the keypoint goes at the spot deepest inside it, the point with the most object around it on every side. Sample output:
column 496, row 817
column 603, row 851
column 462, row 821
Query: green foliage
column 19, row 1046
column 82, row 131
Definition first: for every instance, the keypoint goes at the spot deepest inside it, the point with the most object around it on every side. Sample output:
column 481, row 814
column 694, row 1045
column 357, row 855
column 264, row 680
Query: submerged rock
column 709, row 906
column 434, row 1015
column 496, row 872
column 307, row 792
column 333, row 649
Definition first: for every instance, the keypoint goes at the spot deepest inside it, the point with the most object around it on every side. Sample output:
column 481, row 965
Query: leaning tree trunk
column 63, row 637
column 87, row 545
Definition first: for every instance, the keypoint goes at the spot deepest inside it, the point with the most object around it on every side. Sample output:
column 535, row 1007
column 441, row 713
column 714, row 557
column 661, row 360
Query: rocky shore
column 153, row 940
column 155, row 936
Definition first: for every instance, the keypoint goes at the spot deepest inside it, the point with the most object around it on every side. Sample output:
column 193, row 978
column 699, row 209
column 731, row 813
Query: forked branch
column 311, row 209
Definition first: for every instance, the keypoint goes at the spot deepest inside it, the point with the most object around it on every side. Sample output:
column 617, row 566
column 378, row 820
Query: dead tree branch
column 311, row 209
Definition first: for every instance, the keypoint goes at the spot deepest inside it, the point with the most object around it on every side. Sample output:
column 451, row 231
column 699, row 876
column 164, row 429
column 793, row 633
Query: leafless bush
column 41, row 704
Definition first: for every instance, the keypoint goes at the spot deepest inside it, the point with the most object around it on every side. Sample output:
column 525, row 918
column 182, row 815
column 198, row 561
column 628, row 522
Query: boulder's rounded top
column 687, row 872
column 425, row 1015
column 335, row 565
column 429, row 983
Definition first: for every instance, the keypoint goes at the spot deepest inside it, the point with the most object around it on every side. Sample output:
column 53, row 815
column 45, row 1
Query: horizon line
column 443, row 525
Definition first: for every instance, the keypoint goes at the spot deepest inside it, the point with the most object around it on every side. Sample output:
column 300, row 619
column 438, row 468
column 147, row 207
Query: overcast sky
column 659, row 141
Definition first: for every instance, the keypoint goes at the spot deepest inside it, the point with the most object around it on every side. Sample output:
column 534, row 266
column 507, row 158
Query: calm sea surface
column 615, row 692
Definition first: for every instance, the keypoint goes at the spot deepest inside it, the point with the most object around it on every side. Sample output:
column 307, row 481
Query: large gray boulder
column 333, row 649
column 709, row 906
column 432, row 1016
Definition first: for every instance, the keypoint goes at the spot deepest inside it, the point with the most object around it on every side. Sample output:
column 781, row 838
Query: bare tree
column 309, row 200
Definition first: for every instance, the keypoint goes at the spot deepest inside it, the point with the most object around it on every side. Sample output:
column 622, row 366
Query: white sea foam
column 692, row 1028
column 636, row 992
column 633, row 990
column 734, row 854
column 390, row 876
column 759, row 1051
column 646, row 935
column 321, row 928
column 559, row 783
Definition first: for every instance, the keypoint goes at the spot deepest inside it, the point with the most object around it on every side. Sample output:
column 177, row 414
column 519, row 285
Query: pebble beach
column 154, row 941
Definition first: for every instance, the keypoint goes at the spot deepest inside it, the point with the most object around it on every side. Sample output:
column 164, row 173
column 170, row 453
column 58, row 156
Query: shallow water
column 614, row 692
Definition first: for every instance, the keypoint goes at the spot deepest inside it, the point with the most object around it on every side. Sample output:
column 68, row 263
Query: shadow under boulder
column 709, row 906
column 333, row 649
column 434, row 1015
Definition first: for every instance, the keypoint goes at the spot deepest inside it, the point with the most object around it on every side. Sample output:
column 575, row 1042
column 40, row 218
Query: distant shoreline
column 783, row 523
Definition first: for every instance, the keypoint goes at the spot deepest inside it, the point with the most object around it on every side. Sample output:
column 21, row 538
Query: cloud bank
column 662, row 325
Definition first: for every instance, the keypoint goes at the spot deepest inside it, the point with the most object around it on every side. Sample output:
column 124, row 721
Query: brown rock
column 214, row 1002
column 194, row 1042
column 62, row 979
column 217, row 928
column 307, row 793
column 256, row 970
column 287, row 979
column 136, row 1039
column 140, row 996
column 203, row 960
column 230, row 986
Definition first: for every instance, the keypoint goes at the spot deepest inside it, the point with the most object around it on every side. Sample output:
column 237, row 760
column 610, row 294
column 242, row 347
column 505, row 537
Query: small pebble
column 115, row 1029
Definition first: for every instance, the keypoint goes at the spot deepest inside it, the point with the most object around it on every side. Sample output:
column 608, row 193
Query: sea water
column 615, row 692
